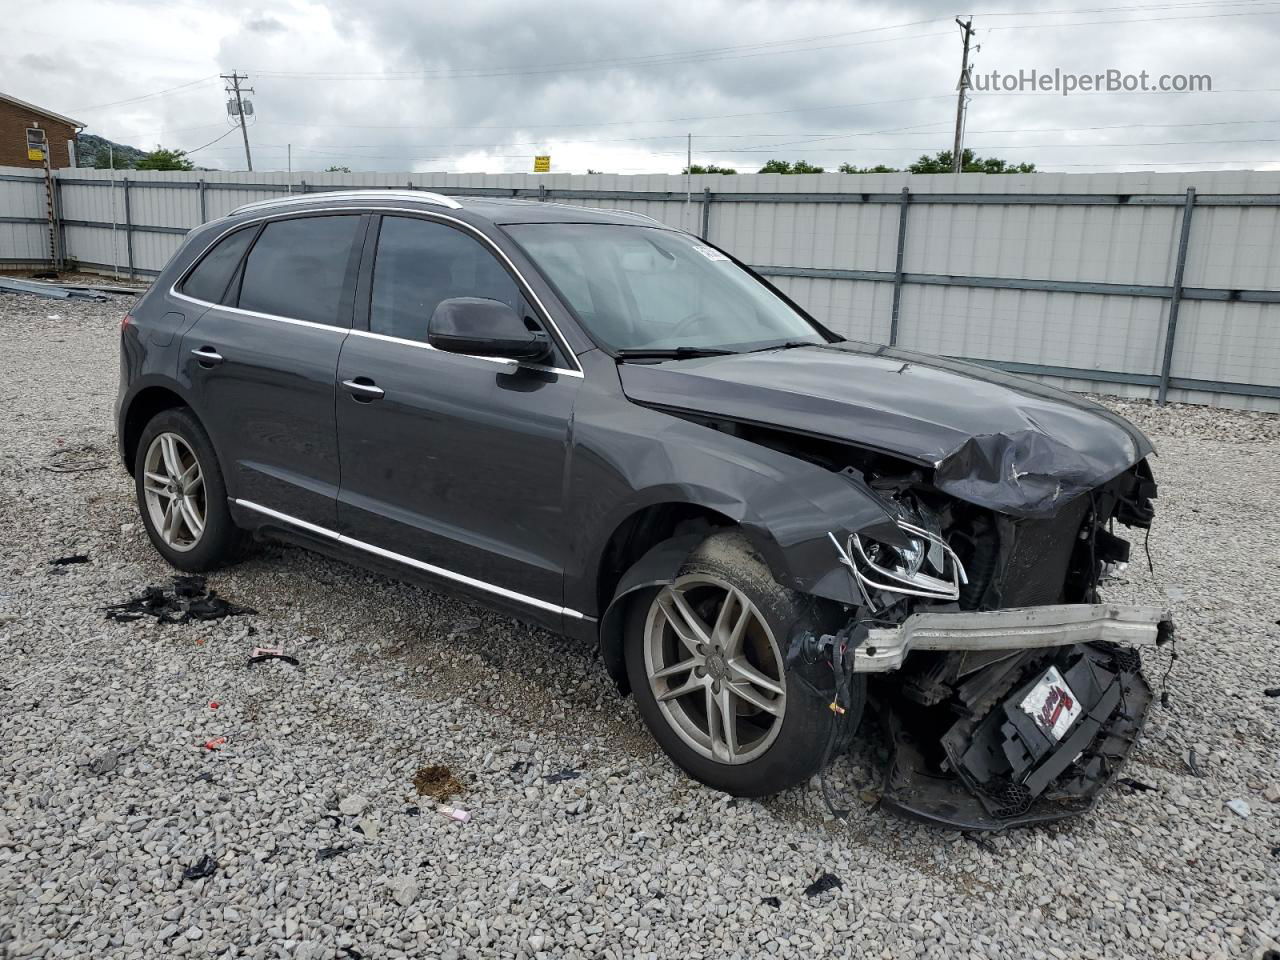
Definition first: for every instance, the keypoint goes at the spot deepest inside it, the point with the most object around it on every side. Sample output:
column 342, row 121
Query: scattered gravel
column 115, row 784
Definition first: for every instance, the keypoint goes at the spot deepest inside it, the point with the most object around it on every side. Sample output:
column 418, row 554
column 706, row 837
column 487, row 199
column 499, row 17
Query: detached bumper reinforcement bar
column 1056, row 625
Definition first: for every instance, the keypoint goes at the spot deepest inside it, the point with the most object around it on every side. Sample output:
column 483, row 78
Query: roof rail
column 423, row 196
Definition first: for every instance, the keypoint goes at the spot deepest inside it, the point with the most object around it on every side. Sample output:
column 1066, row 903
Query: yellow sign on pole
column 542, row 164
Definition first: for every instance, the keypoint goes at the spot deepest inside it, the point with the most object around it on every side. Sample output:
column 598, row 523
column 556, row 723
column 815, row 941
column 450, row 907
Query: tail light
column 126, row 321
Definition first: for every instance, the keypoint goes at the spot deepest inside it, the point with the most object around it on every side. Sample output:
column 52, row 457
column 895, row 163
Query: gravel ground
column 584, row 841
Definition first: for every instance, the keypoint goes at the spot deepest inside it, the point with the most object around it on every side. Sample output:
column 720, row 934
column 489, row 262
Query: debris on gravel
column 436, row 781
column 629, row 859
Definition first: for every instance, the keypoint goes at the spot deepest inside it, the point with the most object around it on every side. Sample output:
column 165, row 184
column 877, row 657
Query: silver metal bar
column 1022, row 628
column 1175, row 296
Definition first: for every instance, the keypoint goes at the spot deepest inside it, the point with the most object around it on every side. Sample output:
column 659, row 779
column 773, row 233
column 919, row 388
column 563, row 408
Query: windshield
column 641, row 288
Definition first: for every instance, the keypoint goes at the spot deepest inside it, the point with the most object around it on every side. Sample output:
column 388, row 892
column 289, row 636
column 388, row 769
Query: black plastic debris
column 773, row 901
column 413, row 811
column 189, row 599
column 352, row 953
column 564, row 775
column 328, row 853
column 67, row 561
column 205, row 868
column 983, row 842
column 828, row 881
column 264, row 656
column 1192, row 764
column 1135, row 786
column 1272, row 692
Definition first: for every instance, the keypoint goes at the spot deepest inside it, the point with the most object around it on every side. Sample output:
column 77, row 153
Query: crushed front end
column 1009, row 693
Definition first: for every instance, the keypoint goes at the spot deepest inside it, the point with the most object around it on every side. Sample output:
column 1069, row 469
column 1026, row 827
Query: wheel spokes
column 686, row 624
column 701, row 632
column 172, row 457
column 191, row 516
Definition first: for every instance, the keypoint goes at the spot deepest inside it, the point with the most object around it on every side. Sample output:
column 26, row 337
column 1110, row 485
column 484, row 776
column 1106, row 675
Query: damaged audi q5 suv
column 618, row 431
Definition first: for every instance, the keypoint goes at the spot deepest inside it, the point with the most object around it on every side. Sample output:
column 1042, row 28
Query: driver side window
column 419, row 263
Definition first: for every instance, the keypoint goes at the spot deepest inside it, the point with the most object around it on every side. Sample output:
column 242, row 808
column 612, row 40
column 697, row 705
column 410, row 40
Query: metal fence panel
column 1069, row 277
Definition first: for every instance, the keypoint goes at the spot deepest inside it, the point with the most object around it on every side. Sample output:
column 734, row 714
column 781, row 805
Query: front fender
column 627, row 458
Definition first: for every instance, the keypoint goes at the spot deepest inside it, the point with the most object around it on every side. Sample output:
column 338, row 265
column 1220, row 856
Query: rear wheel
column 181, row 495
column 706, row 657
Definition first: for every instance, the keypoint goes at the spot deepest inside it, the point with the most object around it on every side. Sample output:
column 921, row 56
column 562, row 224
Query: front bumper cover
column 990, row 770
column 1055, row 625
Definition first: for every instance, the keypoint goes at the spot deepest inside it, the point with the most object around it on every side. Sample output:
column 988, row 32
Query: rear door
column 261, row 364
column 454, row 462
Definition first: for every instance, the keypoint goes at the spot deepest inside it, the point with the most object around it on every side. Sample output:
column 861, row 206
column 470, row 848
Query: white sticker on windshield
column 711, row 253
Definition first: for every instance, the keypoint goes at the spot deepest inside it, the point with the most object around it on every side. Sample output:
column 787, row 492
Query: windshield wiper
column 670, row 353
column 787, row 345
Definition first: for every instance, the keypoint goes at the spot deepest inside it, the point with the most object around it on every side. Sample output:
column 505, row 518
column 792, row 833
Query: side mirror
column 484, row 328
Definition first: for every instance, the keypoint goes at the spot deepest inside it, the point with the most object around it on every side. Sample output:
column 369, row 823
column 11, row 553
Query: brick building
column 25, row 129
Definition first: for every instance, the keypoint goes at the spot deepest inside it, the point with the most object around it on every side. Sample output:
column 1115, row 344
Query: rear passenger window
column 298, row 268
column 419, row 263
column 208, row 281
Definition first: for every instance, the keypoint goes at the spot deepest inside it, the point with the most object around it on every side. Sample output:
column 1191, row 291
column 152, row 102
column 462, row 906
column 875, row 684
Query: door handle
column 207, row 356
column 363, row 389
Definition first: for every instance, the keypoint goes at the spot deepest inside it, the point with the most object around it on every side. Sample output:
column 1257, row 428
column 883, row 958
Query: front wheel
column 706, row 657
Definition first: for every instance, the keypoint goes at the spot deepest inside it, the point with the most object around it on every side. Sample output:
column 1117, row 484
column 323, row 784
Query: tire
column 770, row 752
column 218, row 540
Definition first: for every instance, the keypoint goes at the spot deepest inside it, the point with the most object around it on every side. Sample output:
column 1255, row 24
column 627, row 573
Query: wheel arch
column 140, row 410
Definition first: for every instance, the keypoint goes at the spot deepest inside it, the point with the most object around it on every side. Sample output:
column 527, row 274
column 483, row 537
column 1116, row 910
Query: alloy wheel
column 173, row 486
column 715, row 668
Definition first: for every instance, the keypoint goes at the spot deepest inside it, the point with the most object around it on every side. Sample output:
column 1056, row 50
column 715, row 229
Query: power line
column 475, row 75
column 145, row 96
column 229, row 131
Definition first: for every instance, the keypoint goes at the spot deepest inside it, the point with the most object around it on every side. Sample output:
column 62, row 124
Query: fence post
column 128, row 230
column 897, row 270
column 1175, row 296
column 62, row 226
column 706, row 212
column 204, row 216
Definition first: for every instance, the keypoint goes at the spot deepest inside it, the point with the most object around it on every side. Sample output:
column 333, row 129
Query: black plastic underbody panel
column 1001, row 771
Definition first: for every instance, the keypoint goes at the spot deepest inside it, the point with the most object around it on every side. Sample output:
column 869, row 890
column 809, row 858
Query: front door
column 261, row 365
column 455, row 462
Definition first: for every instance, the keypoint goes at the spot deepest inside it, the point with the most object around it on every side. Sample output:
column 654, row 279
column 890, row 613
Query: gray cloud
column 485, row 85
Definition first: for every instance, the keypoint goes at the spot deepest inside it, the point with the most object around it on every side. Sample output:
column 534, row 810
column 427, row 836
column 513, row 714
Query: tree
column 162, row 159
column 337, row 169
column 785, row 166
column 708, row 168
column 941, row 162
column 878, row 168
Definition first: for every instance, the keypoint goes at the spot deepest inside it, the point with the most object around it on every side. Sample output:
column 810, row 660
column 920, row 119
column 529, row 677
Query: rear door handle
column 207, row 355
column 363, row 389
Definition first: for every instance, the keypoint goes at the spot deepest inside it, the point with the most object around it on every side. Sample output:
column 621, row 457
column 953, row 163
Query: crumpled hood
column 993, row 439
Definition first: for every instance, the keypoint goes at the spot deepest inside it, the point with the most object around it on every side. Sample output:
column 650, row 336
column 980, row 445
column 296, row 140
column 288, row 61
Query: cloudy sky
column 484, row 85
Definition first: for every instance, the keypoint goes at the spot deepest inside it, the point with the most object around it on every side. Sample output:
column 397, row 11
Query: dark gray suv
column 619, row 432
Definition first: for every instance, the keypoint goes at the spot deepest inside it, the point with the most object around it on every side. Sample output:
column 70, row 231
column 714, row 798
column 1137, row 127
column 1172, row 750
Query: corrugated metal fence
column 1138, row 283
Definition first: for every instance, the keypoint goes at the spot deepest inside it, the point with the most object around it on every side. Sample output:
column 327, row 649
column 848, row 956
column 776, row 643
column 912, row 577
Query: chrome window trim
column 421, row 214
column 411, row 562
column 504, row 361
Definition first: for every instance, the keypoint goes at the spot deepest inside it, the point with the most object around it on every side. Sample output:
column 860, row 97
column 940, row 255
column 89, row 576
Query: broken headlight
column 924, row 567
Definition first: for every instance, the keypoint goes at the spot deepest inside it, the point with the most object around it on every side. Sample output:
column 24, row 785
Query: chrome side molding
column 411, row 562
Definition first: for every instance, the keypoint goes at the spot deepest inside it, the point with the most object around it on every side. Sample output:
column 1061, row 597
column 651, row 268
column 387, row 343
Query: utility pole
column 688, row 182
column 966, row 28
column 235, row 90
